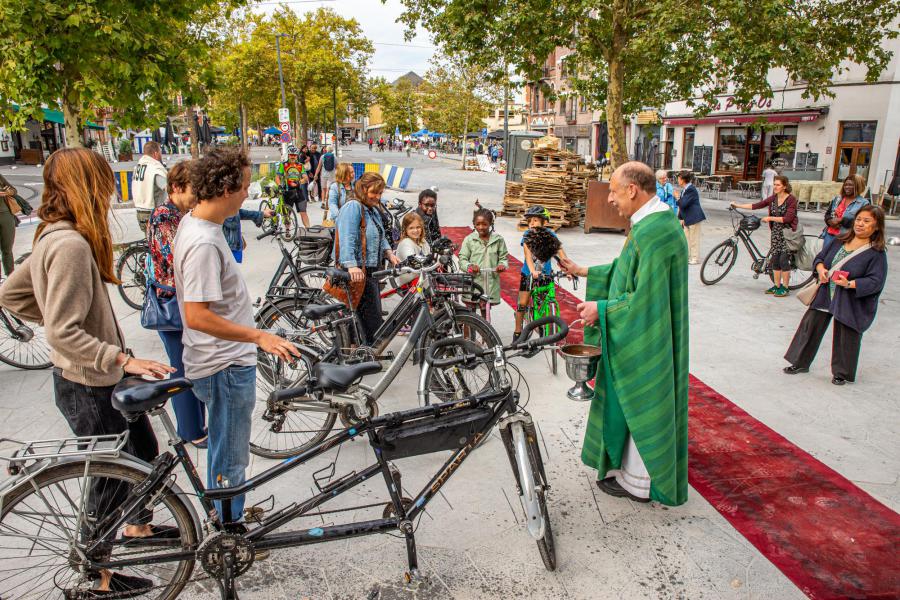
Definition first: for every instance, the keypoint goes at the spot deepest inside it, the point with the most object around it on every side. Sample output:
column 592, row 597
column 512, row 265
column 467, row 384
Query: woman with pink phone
column 851, row 274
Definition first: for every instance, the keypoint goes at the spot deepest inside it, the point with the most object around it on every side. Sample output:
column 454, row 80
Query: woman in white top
column 412, row 242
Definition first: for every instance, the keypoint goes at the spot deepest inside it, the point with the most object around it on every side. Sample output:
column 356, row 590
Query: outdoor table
column 750, row 188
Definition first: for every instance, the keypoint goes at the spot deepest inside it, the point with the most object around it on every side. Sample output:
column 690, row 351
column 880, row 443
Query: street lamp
column 278, row 37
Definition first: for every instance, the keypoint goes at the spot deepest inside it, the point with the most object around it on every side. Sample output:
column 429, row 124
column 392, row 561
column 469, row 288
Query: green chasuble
column 641, row 384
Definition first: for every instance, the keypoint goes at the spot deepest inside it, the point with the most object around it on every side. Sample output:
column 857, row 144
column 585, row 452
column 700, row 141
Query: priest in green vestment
column 636, row 310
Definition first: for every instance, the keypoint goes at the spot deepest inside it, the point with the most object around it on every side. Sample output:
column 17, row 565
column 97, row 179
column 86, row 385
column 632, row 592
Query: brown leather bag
column 339, row 292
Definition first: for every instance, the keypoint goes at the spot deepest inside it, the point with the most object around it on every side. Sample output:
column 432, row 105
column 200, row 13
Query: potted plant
column 125, row 150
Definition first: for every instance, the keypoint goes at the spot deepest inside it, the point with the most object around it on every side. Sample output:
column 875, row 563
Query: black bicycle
column 721, row 259
column 23, row 345
column 130, row 270
column 333, row 334
column 67, row 501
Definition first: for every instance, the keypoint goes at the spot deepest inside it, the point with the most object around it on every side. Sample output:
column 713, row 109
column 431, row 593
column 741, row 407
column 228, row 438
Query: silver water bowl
column 579, row 358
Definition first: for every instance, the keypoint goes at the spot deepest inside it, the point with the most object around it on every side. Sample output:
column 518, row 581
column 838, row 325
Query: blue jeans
column 229, row 396
column 189, row 411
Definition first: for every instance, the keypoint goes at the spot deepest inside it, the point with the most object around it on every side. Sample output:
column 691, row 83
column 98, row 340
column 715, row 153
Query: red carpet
column 832, row 539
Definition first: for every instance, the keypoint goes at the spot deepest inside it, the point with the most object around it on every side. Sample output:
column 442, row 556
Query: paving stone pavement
column 471, row 541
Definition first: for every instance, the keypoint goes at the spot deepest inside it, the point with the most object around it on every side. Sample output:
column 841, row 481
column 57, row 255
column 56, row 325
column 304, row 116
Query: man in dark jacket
column 691, row 215
column 428, row 211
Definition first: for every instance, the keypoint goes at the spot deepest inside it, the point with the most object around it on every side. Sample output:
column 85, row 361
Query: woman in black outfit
column 850, row 295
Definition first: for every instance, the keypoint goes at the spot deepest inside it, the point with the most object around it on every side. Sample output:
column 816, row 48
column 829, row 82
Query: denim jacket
column 849, row 212
column 337, row 197
column 348, row 237
column 666, row 193
column 232, row 227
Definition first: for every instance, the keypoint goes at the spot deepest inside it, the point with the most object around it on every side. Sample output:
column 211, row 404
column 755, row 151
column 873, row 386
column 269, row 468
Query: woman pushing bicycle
column 537, row 218
column 782, row 213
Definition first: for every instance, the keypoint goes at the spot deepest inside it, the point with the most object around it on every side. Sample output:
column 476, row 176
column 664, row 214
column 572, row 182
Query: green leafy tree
column 400, row 103
column 455, row 95
column 126, row 55
column 628, row 55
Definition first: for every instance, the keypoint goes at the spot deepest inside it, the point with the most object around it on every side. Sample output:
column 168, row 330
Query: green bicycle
column 285, row 221
column 544, row 304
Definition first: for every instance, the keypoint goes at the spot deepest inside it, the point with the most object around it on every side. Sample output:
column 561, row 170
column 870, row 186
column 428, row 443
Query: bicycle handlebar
column 266, row 234
column 403, row 270
column 521, row 343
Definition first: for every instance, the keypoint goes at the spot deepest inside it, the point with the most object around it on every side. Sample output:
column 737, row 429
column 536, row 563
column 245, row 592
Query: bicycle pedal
column 386, row 356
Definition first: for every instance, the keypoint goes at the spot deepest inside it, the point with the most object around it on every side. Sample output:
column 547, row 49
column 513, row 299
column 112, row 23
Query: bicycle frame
column 263, row 535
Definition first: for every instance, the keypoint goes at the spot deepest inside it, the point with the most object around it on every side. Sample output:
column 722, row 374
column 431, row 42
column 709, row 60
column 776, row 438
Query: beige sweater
column 59, row 285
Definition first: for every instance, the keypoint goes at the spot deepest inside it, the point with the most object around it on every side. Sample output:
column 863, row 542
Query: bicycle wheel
column 284, row 430
column 532, row 479
column 130, row 272
column 718, row 262
column 269, row 224
column 459, row 382
column 290, row 222
column 287, row 313
column 798, row 278
column 42, row 527
column 23, row 345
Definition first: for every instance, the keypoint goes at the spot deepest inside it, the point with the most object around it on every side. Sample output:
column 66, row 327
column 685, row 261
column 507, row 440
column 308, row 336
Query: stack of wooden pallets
column 558, row 182
column 513, row 205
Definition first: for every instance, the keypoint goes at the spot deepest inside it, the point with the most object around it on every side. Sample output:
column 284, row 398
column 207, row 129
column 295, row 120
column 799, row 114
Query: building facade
column 855, row 132
column 561, row 111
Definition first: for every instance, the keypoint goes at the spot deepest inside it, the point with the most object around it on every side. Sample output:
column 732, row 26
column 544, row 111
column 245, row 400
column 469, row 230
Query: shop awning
column 53, row 116
column 90, row 125
column 802, row 116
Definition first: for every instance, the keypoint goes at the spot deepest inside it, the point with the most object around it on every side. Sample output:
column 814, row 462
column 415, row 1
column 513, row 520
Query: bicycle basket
column 750, row 223
column 430, row 434
column 455, row 284
column 315, row 248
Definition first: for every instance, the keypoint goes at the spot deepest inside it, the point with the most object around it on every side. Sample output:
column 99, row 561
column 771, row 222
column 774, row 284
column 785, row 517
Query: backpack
column 328, row 161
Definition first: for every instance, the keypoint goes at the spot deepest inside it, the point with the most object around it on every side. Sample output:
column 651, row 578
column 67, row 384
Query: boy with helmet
column 537, row 218
column 292, row 177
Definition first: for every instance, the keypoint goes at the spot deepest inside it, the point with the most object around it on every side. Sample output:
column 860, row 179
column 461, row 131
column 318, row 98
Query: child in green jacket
column 484, row 254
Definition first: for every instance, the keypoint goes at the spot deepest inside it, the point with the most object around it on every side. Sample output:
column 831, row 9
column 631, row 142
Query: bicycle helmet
column 293, row 150
column 537, row 211
column 750, row 223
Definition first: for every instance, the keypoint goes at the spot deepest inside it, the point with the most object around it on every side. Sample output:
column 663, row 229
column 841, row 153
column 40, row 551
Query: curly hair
column 179, row 176
column 220, row 171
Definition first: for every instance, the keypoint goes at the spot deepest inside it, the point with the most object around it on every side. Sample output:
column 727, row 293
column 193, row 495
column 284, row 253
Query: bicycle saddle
column 339, row 378
column 337, row 275
column 315, row 312
column 136, row 395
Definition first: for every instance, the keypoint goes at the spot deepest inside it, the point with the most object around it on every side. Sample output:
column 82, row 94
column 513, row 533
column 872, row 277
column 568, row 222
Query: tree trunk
column 615, row 120
column 71, row 118
column 245, row 142
column 298, row 126
column 195, row 133
column 465, row 133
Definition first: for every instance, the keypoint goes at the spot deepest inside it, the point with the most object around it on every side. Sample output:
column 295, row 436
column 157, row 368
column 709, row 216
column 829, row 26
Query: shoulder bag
column 337, row 291
column 808, row 292
column 159, row 314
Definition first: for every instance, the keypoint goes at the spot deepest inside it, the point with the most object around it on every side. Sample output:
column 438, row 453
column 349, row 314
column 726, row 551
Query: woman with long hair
column 341, row 190
column 849, row 293
column 782, row 207
column 63, row 284
column 360, row 220
column 843, row 208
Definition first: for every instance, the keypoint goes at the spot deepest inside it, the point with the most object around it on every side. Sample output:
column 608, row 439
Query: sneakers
column 781, row 292
column 772, row 289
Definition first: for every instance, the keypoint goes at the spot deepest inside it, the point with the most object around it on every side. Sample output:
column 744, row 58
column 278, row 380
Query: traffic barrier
column 123, row 185
column 396, row 177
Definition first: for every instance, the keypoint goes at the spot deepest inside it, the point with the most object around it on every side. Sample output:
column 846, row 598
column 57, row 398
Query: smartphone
column 840, row 275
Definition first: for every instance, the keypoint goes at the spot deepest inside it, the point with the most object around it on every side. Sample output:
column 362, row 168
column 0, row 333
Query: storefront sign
column 730, row 103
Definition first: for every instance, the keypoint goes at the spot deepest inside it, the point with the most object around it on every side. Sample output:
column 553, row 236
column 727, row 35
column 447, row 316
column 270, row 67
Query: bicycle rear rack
column 32, row 457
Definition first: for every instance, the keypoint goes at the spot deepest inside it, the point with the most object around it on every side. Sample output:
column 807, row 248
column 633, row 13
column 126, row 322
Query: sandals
column 120, row 586
column 160, row 533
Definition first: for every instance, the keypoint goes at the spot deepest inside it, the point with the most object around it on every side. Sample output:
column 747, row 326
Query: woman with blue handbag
column 160, row 311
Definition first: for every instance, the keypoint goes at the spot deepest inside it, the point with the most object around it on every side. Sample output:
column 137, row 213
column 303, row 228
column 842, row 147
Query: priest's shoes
column 611, row 486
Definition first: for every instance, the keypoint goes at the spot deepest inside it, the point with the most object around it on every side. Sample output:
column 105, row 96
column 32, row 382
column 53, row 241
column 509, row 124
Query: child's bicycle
column 285, row 220
column 544, row 304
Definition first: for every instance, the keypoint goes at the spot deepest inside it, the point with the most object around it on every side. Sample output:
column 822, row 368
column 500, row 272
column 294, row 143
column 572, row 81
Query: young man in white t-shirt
column 219, row 337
